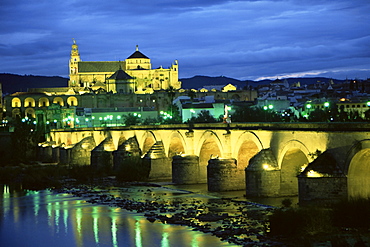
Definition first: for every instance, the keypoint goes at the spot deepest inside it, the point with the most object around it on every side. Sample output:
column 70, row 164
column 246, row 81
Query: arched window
column 72, row 101
column 30, row 112
column 29, row 102
column 16, row 102
column 59, row 101
column 15, row 113
column 43, row 102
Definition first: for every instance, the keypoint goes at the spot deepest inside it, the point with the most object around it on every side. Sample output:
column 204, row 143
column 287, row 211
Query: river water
column 45, row 218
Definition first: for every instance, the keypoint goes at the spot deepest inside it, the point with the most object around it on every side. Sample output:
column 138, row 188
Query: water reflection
column 42, row 218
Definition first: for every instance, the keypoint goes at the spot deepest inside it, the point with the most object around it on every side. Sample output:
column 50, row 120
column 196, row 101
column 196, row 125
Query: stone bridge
column 317, row 161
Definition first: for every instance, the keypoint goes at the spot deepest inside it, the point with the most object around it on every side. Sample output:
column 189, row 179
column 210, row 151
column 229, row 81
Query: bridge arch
column 120, row 137
column 357, row 167
column 209, row 145
column 247, row 145
column 147, row 140
column 175, row 144
column 292, row 159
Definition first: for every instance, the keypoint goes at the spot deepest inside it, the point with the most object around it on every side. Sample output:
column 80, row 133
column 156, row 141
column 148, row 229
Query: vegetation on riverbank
column 338, row 223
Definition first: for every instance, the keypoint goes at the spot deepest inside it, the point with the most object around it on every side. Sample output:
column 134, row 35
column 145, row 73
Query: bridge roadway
column 316, row 161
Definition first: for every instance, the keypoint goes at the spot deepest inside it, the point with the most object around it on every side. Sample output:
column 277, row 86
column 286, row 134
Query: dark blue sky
column 240, row 39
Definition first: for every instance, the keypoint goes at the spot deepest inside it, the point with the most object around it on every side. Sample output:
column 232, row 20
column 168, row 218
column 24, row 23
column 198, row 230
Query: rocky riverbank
column 238, row 222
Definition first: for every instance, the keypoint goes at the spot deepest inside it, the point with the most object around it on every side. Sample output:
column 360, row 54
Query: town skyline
column 245, row 40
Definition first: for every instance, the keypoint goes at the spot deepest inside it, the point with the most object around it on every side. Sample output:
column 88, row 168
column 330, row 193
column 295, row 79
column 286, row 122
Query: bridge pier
column 45, row 152
column 65, row 155
column 322, row 181
column 158, row 163
column 101, row 155
column 185, row 169
column 81, row 152
column 262, row 175
column 56, row 154
column 127, row 161
column 223, row 175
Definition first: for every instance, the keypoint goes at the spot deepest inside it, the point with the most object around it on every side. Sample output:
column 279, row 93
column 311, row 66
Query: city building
column 113, row 89
column 134, row 75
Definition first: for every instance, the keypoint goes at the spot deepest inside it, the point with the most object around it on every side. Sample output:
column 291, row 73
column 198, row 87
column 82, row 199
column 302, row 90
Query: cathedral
column 134, row 75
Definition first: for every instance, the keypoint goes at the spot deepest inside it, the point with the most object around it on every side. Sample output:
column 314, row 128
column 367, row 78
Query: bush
column 301, row 221
column 311, row 221
column 353, row 213
column 133, row 169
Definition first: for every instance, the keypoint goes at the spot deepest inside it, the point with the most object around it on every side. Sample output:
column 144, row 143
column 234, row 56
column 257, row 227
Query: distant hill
column 20, row 83
column 12, row 83
column 199, row 81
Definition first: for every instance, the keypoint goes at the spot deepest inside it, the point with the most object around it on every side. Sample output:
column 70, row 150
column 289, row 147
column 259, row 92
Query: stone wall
column 322, row 189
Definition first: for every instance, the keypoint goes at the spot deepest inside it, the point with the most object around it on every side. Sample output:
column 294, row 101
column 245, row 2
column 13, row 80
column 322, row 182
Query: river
column 46, row 218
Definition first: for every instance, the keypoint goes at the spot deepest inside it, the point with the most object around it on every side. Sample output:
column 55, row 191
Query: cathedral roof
column 137, row 54
column 120, row 75
column 98, row 66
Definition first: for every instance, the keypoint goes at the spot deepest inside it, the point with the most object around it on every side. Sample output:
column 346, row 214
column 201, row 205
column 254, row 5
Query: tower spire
column 74, row 51
column 73, row 65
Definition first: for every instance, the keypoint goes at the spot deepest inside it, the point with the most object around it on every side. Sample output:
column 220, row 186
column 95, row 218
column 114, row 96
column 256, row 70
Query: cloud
column 241, row 39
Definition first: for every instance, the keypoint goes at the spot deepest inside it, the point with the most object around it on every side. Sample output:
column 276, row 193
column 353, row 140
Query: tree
column 172, row 116
column 191, row 94
column 150, row 121
column 318, row 115
column 171, row 92
column 25, row 139
column 203, row 117
column 367, row 115
column 131, row 119
column 255, row 114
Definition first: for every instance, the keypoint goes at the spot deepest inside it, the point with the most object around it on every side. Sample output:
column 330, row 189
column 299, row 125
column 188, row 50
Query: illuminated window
column 72, row 101
column 16, row 102
column 43, row 102
column 59, row 101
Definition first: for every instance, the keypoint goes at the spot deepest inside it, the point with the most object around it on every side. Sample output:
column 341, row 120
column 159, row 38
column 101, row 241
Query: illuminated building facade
column 111, row 85
column 134, row 75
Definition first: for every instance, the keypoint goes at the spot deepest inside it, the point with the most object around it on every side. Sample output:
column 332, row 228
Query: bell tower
column 73, row 66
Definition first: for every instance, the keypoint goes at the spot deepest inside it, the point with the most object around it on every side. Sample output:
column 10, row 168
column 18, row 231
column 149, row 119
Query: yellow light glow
column 268, row 167
column 314, row 174
column 303, row 167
